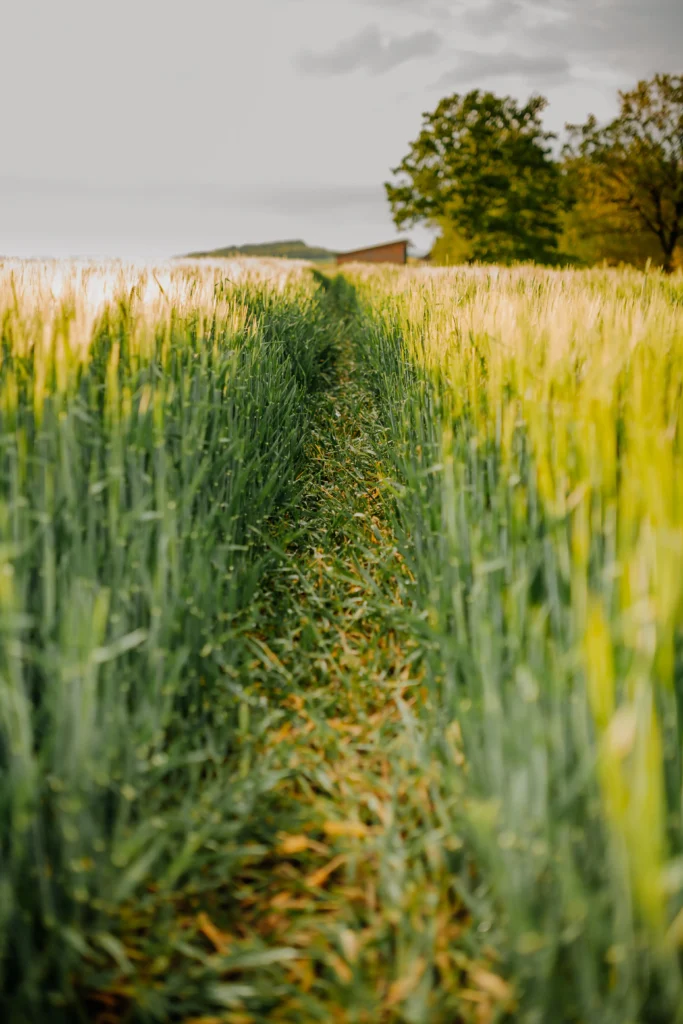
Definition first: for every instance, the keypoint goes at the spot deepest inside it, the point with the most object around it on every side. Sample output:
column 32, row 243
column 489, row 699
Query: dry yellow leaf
column 270, row 655
column 282, row 734
column 402, row 987
column 350, row 945
column 340, row 968
column 303, row 973
column 293, row 844
column 484, row 1012
column 470, row 996
column 204, row 1020
column 345, row 828
column 443, row 962
column 322, row 874
column 491, row 983
column 286, row 901
column 281, row 900
column 215, row 936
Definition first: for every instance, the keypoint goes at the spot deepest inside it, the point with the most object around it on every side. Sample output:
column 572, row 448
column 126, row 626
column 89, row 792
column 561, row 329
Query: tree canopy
column 482, row 164
column 631, row 169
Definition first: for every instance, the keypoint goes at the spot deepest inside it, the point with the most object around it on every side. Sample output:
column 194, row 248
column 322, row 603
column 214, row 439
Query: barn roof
column 380, row 245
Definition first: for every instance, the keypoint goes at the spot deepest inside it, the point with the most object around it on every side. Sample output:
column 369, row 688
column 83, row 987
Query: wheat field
column 340, row 585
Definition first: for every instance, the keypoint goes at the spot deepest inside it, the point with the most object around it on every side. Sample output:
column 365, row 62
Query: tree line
column 484, row 172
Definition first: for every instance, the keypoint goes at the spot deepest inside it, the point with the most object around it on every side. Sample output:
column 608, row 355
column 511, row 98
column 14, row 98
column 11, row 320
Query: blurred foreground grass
column 152, row 422
column 340, row 663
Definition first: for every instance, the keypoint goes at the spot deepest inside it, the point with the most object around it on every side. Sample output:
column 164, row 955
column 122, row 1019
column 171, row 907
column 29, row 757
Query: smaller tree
column 450, row 247
column 633, row 166
column 482, row 165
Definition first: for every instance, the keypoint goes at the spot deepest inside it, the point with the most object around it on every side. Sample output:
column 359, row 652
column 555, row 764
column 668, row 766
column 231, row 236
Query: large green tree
column 482, row 165
column 631, row 169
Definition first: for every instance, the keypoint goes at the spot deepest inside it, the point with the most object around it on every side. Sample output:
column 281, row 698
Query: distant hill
column 293, row 250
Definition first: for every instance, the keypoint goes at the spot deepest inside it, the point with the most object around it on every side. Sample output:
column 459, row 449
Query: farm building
column 390, row 252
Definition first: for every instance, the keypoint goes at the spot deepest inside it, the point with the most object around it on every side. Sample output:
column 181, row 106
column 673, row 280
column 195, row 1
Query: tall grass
column 153, row 423
column 539, row 453
column 151, row 420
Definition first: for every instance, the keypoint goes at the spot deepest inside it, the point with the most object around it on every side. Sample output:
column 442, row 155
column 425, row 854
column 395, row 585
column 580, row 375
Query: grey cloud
column 439, row 13
column 423, row 7
column 630, row 35
column 616, row 32
column 472, row 68
column 497, row 14
column 628, row 32
column 369, row 50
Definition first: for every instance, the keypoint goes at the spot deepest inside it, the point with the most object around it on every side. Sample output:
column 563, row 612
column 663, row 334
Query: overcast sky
column 146, row 128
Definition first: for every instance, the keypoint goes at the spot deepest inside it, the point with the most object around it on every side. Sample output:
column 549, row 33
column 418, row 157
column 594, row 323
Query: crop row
column 537, row 427
column 151, row 423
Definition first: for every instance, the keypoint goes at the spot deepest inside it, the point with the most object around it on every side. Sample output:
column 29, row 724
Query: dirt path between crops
column 352, row 913
column 359, row 882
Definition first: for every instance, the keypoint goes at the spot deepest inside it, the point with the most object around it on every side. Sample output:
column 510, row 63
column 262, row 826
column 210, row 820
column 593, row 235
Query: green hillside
column 293, row 250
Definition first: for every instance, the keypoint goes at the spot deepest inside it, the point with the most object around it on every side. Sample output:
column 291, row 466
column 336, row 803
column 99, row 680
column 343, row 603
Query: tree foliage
column 632, row 168
column 451, row 248
column 482, row 164
column 596, row 232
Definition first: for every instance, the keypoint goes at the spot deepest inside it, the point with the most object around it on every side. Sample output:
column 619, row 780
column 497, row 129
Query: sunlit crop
column 341, row 644
column 539, row 432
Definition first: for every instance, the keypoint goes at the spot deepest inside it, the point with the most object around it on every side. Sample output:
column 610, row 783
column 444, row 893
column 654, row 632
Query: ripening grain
column 539, row 432
column 172, row 679
column 151, row 420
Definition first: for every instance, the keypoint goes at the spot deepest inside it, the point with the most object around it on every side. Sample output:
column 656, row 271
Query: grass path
column 348, row 904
